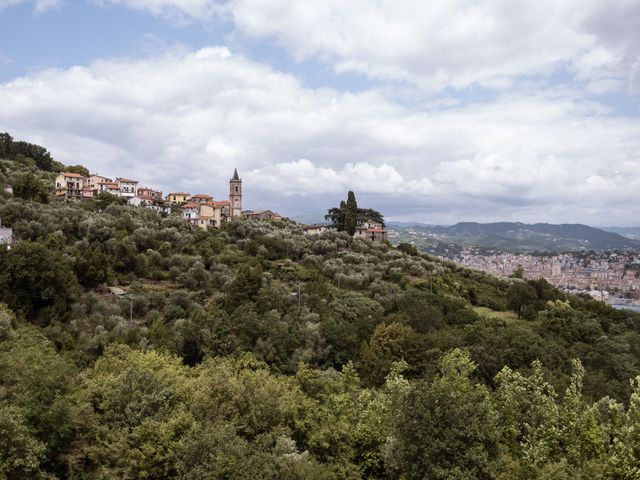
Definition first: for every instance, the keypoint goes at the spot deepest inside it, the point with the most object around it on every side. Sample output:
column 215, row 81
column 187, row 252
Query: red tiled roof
column 179, row 193
column 125, row 180
column 190, row 205
column 201, row 195
column 73, row 175
column 221, row 203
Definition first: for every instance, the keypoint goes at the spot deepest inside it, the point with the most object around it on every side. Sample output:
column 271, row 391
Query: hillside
column 254, row 351
column 628, row 232
column 516, row 237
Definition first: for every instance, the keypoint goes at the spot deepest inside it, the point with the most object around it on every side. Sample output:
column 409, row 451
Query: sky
column 430, row 111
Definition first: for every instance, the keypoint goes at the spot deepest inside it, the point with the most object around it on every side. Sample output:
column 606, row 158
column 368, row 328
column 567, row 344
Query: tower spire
column 235, row 195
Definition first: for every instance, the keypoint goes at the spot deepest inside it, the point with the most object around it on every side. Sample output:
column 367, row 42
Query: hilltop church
column 203, row 211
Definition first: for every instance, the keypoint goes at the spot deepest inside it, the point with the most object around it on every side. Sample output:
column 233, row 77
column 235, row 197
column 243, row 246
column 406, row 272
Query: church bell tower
column 235, row 195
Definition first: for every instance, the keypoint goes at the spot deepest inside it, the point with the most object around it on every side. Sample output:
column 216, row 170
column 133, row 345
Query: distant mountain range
column 629, row 232
column 514, row 236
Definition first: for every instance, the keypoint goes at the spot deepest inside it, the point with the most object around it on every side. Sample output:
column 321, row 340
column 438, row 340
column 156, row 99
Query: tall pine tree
column 351, row 214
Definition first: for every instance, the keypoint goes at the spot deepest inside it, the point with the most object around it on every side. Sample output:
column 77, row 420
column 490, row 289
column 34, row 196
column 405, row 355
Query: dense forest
column 255, row 352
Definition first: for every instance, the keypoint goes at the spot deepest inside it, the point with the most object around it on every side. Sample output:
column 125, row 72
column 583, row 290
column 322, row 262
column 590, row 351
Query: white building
column 128, row 188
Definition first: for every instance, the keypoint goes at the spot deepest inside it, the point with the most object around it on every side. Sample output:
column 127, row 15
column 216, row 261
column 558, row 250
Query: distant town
column 611, row 277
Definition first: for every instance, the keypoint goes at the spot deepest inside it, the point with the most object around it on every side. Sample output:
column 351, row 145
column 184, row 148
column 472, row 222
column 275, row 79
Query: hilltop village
column 201, row 209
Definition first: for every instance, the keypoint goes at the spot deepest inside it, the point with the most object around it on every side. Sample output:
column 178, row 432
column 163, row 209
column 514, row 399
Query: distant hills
column 629, row 232
column 514, row 236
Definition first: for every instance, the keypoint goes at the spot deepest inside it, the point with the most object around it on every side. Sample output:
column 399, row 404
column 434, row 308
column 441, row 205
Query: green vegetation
column 346, row 217
column 254, row 351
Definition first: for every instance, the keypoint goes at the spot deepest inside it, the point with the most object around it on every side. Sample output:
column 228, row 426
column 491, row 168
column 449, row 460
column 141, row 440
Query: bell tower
column 235, row 195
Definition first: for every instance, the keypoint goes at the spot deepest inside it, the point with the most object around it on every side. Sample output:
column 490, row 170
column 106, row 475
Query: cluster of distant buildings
column 365, row 230
column 201, row 210
column 599, row 272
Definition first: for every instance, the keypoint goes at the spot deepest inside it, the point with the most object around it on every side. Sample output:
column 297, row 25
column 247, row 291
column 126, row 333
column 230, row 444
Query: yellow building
column 177, row 198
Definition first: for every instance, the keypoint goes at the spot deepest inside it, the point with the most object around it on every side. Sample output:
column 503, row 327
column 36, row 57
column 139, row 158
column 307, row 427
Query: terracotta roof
column 221, row 203
column 375, row 230
column 179, row 193
column 113, row 187
column 73, row 175
column 190, row 205
column 201, row 195
column 125, row 180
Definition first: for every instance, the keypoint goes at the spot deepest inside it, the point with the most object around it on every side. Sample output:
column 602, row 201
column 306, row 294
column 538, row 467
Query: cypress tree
column 351, row 214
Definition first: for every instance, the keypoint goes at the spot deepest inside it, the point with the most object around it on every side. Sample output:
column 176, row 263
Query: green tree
column 34, row 277
column 20, row 452
column 37, row 381
column 346, row 212
column 336, row 216
column 79, row 169
column 39, row 154
column 91, row 264
column 446, row 428
column 518, row 273
column 29, row 187
column 624, row 460
column 351, row 214
column 244, row 287
column 520, row 295
column 5, row 145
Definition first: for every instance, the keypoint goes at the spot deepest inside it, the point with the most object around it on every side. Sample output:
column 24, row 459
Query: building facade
column 69, row 185
column 128, row 187
column 177, row 198
column 317, row 228
column 372, row 231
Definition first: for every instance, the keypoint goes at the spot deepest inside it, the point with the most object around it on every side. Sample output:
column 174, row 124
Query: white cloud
column 184, row 120
column 39, row 6
column 433, row 45
column 180, row 11
column 304, row 178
